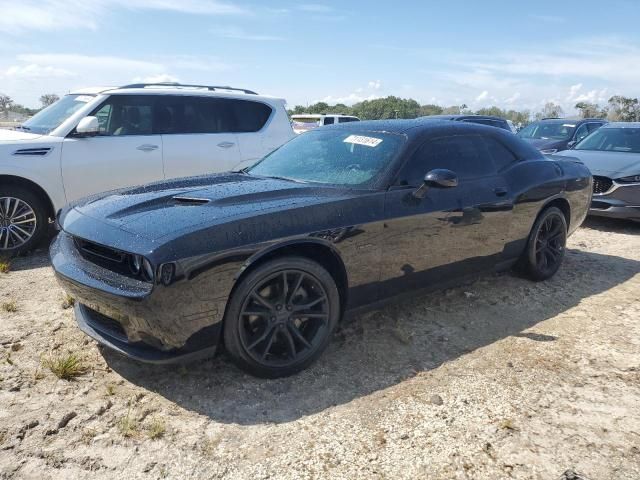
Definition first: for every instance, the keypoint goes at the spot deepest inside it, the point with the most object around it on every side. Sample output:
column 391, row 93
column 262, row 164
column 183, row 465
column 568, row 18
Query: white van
column 308, row 121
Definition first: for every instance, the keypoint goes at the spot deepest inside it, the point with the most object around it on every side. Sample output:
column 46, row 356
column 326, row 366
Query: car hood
column 7, row 136
column 168, row 208
column 607, row 164
column 546, row 143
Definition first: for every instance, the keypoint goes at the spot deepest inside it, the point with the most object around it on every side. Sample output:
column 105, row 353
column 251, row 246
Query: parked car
column 612, row 153
column 552, row 135
column 488, row 120
column 105, row 138
column 271, row 257
column 305, row 122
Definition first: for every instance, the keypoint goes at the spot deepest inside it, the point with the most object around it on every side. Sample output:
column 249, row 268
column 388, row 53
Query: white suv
column 100, row 139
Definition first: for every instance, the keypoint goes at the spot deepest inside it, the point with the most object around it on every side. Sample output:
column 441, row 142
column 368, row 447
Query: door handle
column 147, row 147
column 500, row 191
column 226, row 144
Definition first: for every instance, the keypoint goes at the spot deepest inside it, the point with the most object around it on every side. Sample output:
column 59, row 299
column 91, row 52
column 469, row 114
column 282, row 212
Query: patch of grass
column 111, row 390
column 508, row 424
column 66, row 366
column 128, row 425
column 10, row 307
column 157, row 429
column 68, row 301
column 5, row 265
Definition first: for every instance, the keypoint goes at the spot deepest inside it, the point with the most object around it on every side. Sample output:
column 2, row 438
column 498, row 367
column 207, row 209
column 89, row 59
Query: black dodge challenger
column 267, row 260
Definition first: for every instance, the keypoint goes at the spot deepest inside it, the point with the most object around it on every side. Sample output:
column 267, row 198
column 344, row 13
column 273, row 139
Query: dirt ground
column 501, row 378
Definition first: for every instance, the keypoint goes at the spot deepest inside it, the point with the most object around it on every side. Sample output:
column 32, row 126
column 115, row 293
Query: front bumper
column 149, row 323
column 621, row 201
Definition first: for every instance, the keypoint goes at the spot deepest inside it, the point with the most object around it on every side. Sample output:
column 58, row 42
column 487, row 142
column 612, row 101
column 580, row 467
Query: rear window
column 181, row 115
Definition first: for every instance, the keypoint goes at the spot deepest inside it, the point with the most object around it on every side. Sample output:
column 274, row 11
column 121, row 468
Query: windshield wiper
column 22, row 127
column 275, row 177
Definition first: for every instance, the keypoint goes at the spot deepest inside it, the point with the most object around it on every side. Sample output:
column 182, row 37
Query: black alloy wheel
column 546, row 245
column 281, row 316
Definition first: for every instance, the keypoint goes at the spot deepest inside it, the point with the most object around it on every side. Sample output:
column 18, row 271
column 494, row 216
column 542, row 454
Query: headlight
column 549, row 151
column 631, row 179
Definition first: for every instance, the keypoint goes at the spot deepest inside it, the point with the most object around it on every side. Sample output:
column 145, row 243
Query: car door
column 197, row 135
column 450, row 232
column 124, row 153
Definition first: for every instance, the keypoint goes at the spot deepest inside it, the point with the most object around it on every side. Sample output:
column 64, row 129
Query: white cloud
column 375, row 84
column 237, row 33
column 483, row 96
column 547, row 18
column 161, row 78
column 25, row 77
column 347, row 99
column 27, row 15
column 315, row 8
column 33, row 70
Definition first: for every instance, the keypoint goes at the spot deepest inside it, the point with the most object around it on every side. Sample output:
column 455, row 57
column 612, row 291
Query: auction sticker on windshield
column 362, row 140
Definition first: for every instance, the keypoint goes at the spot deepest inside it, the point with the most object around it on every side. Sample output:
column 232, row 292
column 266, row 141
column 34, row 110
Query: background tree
column 550, row 110
column 624, row 109
column 430, row 109
column 48, row 98
column 590, row 110
column 385, row 108
column 5, row 104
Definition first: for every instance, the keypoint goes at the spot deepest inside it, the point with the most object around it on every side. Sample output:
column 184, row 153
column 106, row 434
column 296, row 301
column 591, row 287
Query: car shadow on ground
column 384, row 348
column 605, row 224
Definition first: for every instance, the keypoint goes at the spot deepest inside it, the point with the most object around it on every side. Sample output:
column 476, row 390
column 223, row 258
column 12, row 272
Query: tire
column 25, row 224
column 274, row 331
column 546, row 245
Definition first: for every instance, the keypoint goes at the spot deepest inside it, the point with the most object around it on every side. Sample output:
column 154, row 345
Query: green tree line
column 619, row 108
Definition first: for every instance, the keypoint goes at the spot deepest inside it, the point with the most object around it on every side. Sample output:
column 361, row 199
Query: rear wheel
column 281, row 316
column 23, row 220
column 546, row 245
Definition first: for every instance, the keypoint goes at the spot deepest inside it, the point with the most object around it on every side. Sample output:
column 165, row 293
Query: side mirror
column 572, row 144
column 438, row 178
column 88, row 127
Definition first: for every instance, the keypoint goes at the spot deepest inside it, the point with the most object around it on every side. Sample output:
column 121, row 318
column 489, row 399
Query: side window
column 250, row 116
column 581, row 132
column 346, row 119
column 592, row 127
column 123, row 115
column 502, row 157
column 328, row 120
column 466, row 155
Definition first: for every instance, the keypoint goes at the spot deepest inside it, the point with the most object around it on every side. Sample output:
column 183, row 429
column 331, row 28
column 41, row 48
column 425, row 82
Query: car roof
column 321, row 115
column 177, row 89
column 576, row 121
column 622, row 125
column 463, row 117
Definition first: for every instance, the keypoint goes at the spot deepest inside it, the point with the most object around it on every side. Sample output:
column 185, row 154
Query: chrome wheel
column 18, row 223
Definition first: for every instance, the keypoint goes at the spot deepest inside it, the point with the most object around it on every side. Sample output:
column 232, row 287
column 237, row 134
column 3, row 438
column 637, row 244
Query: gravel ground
column 501, row 378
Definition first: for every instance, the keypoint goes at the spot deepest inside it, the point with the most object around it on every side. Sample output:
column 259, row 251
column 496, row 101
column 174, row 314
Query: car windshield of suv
column 338, row 157
column 52, row 117
column 612, row 140
column 548, row 130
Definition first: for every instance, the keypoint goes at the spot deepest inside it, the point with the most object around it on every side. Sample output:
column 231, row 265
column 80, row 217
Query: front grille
column 601, row 184
column 107, row 326
column 110, row 258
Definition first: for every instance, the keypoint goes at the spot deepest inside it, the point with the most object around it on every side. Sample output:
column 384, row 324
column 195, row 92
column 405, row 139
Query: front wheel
column 546, row 245
column 281, row 316
column 23, row 220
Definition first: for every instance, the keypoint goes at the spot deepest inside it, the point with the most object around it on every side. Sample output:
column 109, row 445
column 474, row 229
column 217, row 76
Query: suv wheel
column 23, row 220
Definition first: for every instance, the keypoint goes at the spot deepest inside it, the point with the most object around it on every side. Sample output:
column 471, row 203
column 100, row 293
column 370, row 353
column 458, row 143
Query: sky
column 480, row 53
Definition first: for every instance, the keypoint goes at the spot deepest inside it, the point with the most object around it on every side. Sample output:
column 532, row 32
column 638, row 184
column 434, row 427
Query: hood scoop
column 190, row 200
column 33, row 152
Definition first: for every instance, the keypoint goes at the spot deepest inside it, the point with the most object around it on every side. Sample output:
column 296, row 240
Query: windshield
column 548, row 130
column 51, row 117
column 337, row 157
column 612, row 140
